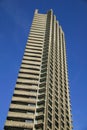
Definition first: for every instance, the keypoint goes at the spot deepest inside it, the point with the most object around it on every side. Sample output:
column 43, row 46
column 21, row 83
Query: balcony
column 27, row 80
column 22, row 107
column 28, row 87
column 20, row 115
column 17, row 124
column 21, row 99
column 19, row 92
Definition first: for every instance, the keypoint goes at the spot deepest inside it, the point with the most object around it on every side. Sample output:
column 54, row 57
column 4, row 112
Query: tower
column 41, row 98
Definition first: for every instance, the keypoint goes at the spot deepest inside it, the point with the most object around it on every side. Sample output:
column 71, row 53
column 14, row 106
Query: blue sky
column 15, row 21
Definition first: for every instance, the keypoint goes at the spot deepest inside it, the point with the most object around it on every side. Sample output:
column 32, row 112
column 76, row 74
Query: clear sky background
column 15, row 21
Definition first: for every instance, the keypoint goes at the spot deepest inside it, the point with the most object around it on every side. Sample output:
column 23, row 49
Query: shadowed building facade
column 41, row 98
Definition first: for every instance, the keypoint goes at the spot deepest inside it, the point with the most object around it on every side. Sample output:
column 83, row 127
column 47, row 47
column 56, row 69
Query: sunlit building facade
column 41, row 99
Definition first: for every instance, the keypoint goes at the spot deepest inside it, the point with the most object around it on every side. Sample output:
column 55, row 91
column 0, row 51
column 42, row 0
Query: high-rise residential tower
column 41, row 98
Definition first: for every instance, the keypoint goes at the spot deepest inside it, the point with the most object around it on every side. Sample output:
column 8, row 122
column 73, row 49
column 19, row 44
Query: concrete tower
column 41, row 96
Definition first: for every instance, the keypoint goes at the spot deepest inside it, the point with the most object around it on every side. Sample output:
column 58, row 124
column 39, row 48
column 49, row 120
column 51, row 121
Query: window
column 50, row 96
column 68, row 124
column 29, row 121
column 50, row 85
column 31, row 104
column 56, row 92
column 42, row 79
column 67, row 117
column 62, row 111
column 49, row 124
column 49, row 116
column 62, row 117
column 50, row 102
column 44, row 70
column 56, row 104
column 50, row 90
column 56, row 124
column 61, row 99
column 51, row 80
column 56, row 116
column 50, row 109
column 56, row 110
column 61, row 105
column 56, row 98
column 67, row 112
column 62, row 124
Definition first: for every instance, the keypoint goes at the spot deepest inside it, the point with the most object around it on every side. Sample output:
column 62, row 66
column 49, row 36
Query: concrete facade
column 41, row 99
